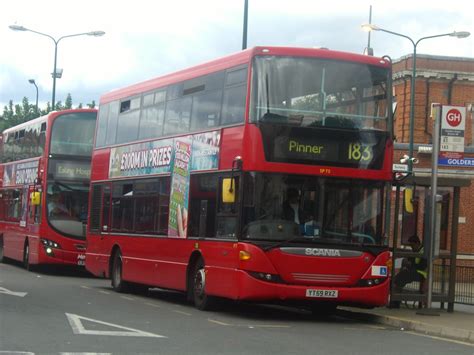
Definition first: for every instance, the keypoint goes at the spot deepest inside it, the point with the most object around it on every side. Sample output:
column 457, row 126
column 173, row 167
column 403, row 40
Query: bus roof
column 235, row 60
column 32, row 122
column 44, row 118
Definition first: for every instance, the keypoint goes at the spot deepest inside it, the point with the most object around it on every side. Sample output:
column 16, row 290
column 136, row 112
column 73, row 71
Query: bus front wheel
column 202, row 301
column 118, row 283
column 26, row 257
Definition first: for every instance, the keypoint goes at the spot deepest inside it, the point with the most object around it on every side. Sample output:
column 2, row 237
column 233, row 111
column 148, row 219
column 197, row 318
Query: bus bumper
column 60, row 256
column 253, row 289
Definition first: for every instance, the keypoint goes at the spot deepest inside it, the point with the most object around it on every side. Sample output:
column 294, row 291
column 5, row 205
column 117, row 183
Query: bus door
column 228, row 207
column 105, row 226
column 34, row 208
column 24, row 206
column 99, row 221
column 34, row 205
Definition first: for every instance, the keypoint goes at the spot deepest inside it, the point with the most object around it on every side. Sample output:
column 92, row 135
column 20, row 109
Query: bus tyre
column 118, row 283
column 26, row 257
column 2, row 258
column 201, row 300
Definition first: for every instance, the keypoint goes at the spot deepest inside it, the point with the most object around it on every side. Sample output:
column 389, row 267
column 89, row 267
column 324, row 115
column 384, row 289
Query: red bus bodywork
column 237, row 269
column 30, row 238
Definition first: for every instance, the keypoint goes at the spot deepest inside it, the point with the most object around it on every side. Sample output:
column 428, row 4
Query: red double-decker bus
column 261, row 176
column 44, row 188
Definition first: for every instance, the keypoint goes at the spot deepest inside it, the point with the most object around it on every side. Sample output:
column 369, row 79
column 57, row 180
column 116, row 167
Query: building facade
column 447, row 81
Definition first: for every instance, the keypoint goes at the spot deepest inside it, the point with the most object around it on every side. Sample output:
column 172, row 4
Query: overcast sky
column 146, row 39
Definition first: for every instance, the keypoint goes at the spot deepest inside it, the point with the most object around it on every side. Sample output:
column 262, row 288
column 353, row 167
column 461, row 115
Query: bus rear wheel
column 118, row 283
column 2, row 256
column 26, row 257
column 202, row 301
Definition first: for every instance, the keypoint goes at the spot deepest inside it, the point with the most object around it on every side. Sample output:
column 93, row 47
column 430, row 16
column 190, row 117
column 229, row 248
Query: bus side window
column 202, row 206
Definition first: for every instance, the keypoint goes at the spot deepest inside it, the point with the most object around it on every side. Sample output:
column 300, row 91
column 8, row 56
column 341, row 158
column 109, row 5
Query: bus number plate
column 321, row 293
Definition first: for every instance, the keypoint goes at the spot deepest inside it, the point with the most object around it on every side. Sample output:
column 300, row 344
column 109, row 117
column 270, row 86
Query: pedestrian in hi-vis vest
column 413, row 268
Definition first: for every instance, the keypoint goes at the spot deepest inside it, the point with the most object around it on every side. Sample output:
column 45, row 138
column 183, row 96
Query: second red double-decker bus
column 44, row 188
column 260, row 176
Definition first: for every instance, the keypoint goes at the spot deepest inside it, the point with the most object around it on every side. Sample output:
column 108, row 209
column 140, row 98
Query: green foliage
column 14, row 114
column 68, row 103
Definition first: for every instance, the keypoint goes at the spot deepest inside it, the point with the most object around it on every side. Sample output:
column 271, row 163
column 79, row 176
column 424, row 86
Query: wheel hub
column 200, row 283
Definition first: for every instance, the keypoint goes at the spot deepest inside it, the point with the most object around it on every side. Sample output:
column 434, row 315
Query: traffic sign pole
column 436, row 113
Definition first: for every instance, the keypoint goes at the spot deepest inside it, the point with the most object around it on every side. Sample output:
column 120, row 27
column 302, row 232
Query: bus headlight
column 266, row 276
column 49, row 244
column 370, row 282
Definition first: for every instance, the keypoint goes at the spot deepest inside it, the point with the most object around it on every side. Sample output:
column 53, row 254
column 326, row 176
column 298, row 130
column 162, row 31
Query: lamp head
column 17, row 28
column 31, row 81
column 368, row 27
column 460, row 34
column 96, row 33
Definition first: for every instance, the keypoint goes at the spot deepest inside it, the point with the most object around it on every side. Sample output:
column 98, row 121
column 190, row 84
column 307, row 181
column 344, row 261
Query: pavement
column 458, row 325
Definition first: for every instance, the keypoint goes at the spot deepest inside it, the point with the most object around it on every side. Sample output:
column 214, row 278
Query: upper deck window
column 234, row 77
column 315, row 92
column 23, row 143
column 72, row 134
column 197, row 104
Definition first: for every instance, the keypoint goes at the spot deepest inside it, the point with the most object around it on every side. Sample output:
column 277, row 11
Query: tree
column 68, row 103
column 19, row 113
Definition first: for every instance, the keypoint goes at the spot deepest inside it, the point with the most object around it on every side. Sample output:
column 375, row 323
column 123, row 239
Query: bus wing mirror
column 408, row 200
column 228, row 190
column 35, row 198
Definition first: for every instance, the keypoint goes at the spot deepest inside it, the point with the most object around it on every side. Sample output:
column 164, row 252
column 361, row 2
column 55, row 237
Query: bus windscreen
column 311, row 92
column 73, row 133
column 281, row 207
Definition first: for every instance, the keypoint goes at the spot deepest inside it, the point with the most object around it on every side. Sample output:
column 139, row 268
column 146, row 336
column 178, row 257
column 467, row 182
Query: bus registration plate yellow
column 321, row 293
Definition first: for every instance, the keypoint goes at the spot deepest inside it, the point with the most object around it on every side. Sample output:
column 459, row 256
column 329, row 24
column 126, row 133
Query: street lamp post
column 246, row 15
column 462, row 34
column 56, row 41
column 32, row 81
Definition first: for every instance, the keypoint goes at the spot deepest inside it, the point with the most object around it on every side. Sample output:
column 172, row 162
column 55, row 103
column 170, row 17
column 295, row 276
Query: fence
column 464, row 290
column 464, row 285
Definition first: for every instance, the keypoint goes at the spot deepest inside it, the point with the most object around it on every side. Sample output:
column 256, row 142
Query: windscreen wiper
column 276, row 245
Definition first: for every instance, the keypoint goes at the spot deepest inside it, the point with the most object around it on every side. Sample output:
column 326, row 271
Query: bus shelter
column 411, row 207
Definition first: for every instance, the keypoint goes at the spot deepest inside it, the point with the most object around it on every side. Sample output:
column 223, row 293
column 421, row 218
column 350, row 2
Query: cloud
column 146, row 39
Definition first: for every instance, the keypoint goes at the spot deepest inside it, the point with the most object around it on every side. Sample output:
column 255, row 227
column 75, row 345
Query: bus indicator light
column 244, row 255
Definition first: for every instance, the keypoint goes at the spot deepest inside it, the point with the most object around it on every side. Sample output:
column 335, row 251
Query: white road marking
column 12, row 293
column 85, row 353
column 266, row 326
column 128, row 298
column 87, row 287
column 153, row 305
column 16, row 352
column 77, row 328
column 439, row 338
column 181, row 312
column 251, row 326
column 105, row 292
column 218, row 322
